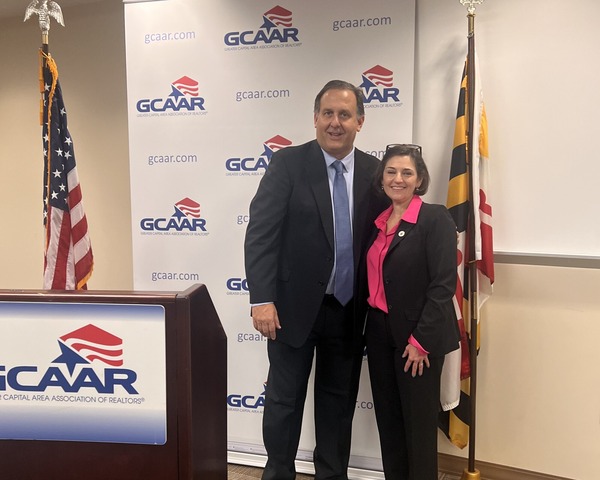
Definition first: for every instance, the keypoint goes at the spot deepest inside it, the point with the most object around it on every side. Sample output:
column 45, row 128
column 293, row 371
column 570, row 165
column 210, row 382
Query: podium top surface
column 100, row 295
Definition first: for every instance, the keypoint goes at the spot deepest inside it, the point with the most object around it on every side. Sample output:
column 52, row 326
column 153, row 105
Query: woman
column 411, row 271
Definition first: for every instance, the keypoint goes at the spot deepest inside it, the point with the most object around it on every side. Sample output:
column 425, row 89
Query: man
column 291, row 262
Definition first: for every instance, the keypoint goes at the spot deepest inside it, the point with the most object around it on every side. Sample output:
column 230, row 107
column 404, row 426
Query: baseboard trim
column 453, row 465
column 448, row 464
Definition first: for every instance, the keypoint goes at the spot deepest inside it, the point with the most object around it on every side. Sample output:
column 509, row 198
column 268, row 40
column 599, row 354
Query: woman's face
column 400, row 179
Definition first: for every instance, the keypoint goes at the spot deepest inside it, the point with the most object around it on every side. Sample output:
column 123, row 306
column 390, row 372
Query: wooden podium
column 196, row 415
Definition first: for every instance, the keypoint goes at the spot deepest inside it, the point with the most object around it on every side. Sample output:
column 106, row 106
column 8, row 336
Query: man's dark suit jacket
column 289, row 246
column 419, row 276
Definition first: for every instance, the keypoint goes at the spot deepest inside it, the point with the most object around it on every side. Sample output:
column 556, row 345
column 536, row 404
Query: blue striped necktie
column 344, row 258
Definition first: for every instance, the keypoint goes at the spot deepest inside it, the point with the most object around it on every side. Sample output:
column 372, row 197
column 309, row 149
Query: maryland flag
column 455, row 422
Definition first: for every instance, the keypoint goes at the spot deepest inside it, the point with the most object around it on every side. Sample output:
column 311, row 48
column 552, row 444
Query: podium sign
column 112, row 386
column 83, row 372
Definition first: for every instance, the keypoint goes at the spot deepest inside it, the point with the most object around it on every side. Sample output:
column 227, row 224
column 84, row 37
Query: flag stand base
column 467, row 475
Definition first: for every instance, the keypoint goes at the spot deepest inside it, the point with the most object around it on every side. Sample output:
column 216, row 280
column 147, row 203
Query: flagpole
column 471, row 473
column 44, row 12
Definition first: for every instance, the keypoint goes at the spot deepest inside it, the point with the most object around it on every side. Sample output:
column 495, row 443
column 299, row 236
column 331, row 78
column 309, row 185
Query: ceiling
column 16, row 8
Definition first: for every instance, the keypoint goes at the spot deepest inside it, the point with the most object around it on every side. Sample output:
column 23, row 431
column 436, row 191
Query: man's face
column 337, row 122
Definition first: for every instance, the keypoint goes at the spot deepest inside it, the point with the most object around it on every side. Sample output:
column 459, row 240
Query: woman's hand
column 415, row 361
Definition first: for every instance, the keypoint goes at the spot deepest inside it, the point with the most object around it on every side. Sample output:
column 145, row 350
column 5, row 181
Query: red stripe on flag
column 62, row 241
column 80, row 230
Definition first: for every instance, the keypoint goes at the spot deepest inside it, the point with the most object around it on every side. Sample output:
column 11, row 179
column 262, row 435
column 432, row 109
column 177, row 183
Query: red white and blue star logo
column 88, row 344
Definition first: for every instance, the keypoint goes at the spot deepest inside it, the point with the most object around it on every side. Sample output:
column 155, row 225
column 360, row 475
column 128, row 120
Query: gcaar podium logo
column 378, row 88
column 184, row 99
column 275, row 32
column 72, row 371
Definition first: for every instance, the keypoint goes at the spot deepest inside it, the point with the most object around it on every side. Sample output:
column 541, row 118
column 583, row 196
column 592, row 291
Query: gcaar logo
column 378, row 88
column 72, row 370
column 246, row 403
column 185, row 220
column 237, row 166
column 184, row 99
column 237, row 286
column 275, row 32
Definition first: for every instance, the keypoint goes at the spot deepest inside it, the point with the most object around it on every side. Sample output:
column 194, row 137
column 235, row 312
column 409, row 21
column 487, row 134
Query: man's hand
column 265, row 320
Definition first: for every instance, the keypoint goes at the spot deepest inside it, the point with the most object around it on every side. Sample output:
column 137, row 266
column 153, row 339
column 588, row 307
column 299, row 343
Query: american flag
column 68, row 259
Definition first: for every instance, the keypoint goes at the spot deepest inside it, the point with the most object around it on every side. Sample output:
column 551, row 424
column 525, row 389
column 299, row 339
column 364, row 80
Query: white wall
column 539, row 381
column 540, row 82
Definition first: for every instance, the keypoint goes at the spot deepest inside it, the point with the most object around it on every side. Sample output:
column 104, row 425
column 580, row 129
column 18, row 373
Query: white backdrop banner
column 214, row 88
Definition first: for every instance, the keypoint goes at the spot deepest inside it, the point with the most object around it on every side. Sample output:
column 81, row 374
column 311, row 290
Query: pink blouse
column 377, row 253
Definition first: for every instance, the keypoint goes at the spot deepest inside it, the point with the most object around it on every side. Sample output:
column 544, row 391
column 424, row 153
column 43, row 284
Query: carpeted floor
column 240, row 472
